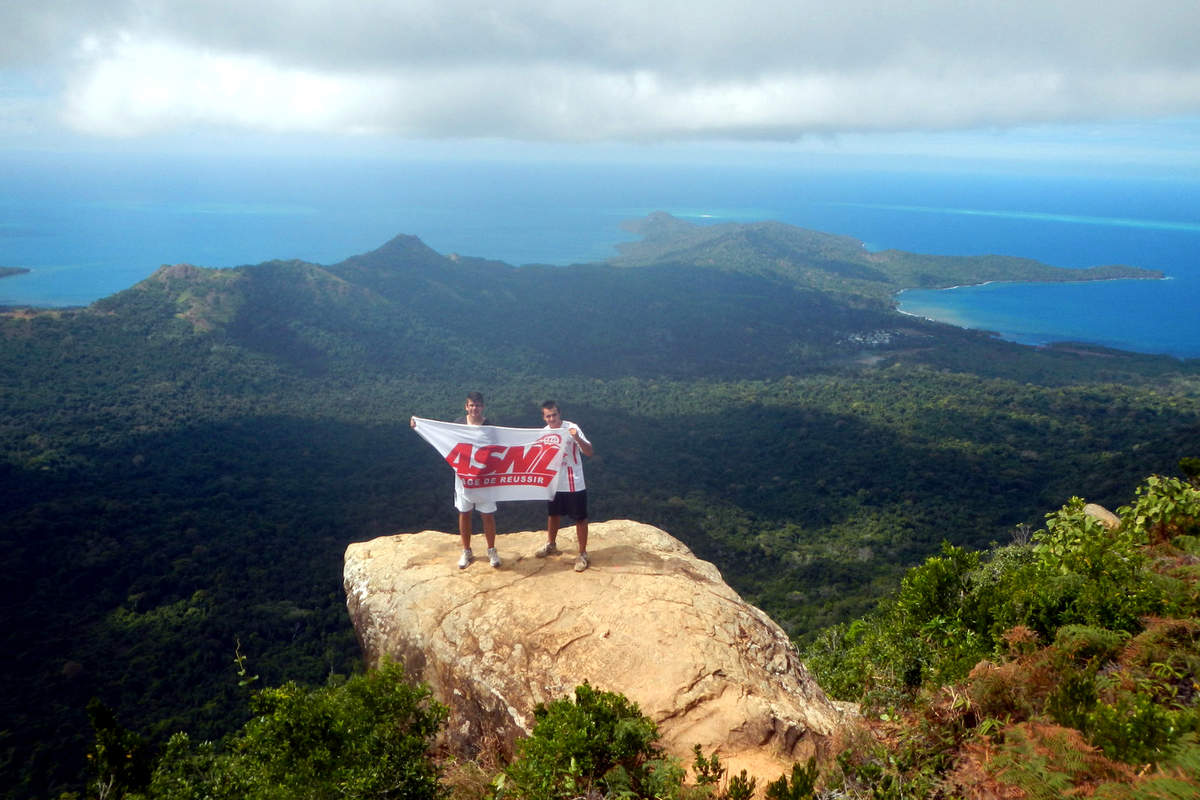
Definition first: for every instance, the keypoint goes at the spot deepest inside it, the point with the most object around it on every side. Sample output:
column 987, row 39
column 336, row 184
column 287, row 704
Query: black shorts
column 568, row 504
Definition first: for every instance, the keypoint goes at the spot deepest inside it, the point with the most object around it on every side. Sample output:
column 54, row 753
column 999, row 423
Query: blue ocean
column 88, row 227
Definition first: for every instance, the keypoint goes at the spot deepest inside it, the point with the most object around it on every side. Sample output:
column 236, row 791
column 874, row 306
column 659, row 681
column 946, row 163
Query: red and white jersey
column 570, row 471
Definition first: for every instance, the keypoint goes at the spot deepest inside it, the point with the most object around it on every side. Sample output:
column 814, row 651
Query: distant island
column 833, row 263
column 8, row 272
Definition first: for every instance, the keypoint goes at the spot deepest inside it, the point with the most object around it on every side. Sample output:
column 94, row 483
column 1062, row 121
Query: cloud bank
column 575, row 71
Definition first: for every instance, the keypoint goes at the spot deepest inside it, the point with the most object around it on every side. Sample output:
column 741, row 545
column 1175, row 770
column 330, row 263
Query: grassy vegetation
column 1068, row 664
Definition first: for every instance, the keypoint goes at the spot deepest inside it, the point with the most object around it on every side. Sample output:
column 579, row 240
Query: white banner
column 494, row 463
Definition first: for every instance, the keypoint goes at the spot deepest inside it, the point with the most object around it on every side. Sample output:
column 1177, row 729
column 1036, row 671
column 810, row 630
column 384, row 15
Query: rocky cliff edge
column 648, row 620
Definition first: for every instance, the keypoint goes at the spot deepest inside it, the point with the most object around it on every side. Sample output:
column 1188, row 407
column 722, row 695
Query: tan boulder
column 1102, row 515
column 648, row 620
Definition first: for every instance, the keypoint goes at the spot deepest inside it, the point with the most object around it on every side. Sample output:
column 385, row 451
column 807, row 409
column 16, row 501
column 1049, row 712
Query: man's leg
column 550, row 548
column 464, row 528
column 489, row 533
column 489, row 528
column 581, row 561
column 464, row 533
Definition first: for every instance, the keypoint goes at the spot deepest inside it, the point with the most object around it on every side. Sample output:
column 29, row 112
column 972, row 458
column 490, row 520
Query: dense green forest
column 185, row 462
column 1064, row 664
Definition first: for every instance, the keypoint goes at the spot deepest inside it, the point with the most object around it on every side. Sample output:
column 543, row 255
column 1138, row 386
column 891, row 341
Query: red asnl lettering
column 486, row 457
column 543, row 463
column 494, row 459
column 518, row 459
column 459, row 457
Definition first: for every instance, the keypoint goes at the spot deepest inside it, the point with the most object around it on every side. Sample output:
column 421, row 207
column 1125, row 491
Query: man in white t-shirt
column 570, row 497
column 487, row 510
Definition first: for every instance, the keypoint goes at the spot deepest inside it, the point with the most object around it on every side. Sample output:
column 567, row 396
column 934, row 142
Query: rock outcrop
column 1102, row 515
column 648, row 619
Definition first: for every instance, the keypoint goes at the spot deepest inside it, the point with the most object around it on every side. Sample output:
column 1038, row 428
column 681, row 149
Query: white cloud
column 625, row 70
column 150, row 87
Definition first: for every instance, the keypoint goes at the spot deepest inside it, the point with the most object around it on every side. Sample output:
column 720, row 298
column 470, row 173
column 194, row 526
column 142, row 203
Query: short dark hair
column 476, row 396
column 549, row 404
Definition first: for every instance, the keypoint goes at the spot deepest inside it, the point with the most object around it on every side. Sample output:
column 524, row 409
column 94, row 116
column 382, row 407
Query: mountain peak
column 402, row 255
column 405, row 243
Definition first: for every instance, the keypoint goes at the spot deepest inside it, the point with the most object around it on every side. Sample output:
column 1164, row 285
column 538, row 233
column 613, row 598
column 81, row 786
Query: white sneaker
column 548, row 549
column 493, row 557
column 466, row 558
column 581, row 563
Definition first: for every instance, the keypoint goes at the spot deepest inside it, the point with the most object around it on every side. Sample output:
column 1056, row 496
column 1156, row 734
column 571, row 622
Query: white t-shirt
column 570, row 469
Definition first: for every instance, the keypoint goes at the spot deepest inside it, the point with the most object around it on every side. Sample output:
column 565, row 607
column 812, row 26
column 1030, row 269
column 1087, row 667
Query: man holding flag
column 465, row 505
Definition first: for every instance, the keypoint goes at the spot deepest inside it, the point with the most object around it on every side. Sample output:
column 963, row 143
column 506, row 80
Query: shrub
column 937, row 613
column 1136, row 729
column 803, row 785
column 367, row 739
column 1164, row 508
column 120, row 760
column 1086, row 645
column 1083, row 573
column 710, row 774
column 601, row 738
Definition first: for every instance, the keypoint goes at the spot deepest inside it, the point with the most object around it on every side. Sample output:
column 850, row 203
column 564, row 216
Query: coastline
column 995, row 282
column 1089, row 312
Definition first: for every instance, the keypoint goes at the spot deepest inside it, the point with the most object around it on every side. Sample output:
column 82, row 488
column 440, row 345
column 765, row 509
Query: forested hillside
column 184, row 462
column 1062, row 664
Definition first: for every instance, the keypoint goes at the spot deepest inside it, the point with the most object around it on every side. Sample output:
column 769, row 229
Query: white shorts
column 464, row 505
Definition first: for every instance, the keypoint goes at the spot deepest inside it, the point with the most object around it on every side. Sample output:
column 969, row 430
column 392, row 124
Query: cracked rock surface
column 647, row 619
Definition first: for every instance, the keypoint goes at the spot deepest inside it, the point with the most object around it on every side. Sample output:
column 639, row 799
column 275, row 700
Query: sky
column 1093, row 80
